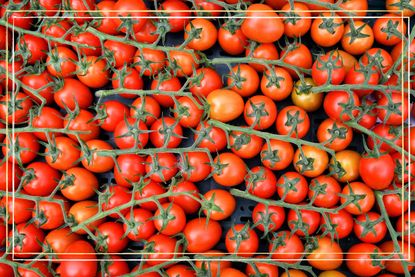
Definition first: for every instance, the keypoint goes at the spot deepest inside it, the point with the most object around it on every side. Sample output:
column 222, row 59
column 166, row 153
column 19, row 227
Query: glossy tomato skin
column 166, row 132
column 73, row 93
column 286, row 247
column 145, row 55
column 359, row 259
column 58, row 240
column 359, row 75
column 23, row 206
column 27, row 144
column 334, row 105
column 311, row 219
column 133, row 8
column 360, row 206
column 180, row 13
column 95, row 75
column 92, row 43
column 273, row 215
column 345, row 165
column 114, row 241
column 50, row 215
column 31, row 240
column 188, row 112
column 122, row 53
column 341, row 224
column 180, row 270
column 210, row 137
column 127, row 78
column 276, row 84
column 222, row 199
column 13, row 172
column 334, row 134
column 123, row 137
column 297, row 55
column 40, row 179
column 260, row 181
column 397, row 116
column 292, row 187
column 311, row 161
column 277, row 154
column 225, row 105
column 232, row 41
column 48, row 118
column 150, row 189
column 117, row 196
column 188, row 203
column 83, row 210
column 232, row 173
column 129, row 170
column 36, row 82
column 170, row 219
column 83, row 121
column 39, row 265
column 164, row 247
column 166, row 164
column 214, row 267
column 202, row 235
column 260, row 112
column 377, row 172
column 325, row 191
column 327, row 256
column 113, row 112
column 380, row 33
column 94, row 161
column 320, row 71
column 247, row 246
column 207, row 34
column 244, row 145
column 20, row 111
column 61, row 62
column 143, row 224
column 374, row 235
column 68, row 154
column 206, row 81
column 76, row 265
column 195, row 166
column 106, row 25
column 293, row 121
column 323, row 36
column 394, row 265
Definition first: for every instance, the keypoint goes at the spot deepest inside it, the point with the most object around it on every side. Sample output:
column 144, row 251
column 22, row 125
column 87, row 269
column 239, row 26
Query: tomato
column 125, row 138
column 72, row 94
column 188, row 112
column 136, row 9
column 92, row 44
column 334, row 135
column 5, row 33
column 225, row 105
column 310, row 219
column 268, row 218
column 22, row 148
column 210, row 137
column 14, row 109
column 310, row 161
column 204, row 81
column 40, row 179
column 146, row 191
column 139, row 225
column 169, row 219
column 28, row 240
column 357, row 46
column 277, row 154
column 13, row 173
column 13, row 68
column 292, row 187
column 14, row 204
column 39, row 83
column 286, row 247
column 110, row 113
column 397, row 51
column 61, row 62
column 394, row 265
column 83, row 121
column 81, row 6
column 166, row 132
column 264, row 268
column 377, row 172
column 195, row 166
column 304, row 98
column 293, row 273
column 297, row 19
column 327, row 30
column 127, row 78
column 325, row 191
column 341, row 105
column 231, row 39
column 106, row 24
column 264, row 51
column 370, row 227
column 144, row 266
column 82, row 211
column 402, row 168
column 297, row 55
column 57, row 29
column 148, row 33
column 241, row 240
column 243, row 79
column 327, row 255
column 41, row 266
column 345, row 165
column 93, row 72
column 244, row 145
column 210, row 7
column 229, row 170
column 395, row 6
column 328, row 69
column 218, row 198
column 388, row 132
column 263, row 30
column 277, row 84
column 293, row 121
column 202, row 234
column 260, row 181
column 79, row 260
column 50, row 215
column 339, row 225
column 149, row 61
column 32, row 48
column 395, row 204
column 382, row 33
column 178, row 14
column 359, row 259
column 184, row 63
column 116, row 266
column 114, row 197
column 185, row 198
column 165, row 248
column 213, row 266
column 58, row 240
column 231, row 272
column 180, row 270
column 63, row 154
column 393, row 108
column 206, row 34
column 145, row 108
column 359, row 75
column 93, row 160
column 379, row 58
column 129, row 169
column 348, row 60
column 120, row 53
column 167, row 84
column 162, row 167
column 17, row 16
column 365, row 201
column 403, row 226
column 356, row 7
column 260, row 112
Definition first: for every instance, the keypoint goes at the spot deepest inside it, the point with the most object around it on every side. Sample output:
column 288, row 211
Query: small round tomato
column 395, row 6
column 57, row 29
column 58, row 240
column 148, row 33
column 339, row 224
column 93, row 160
column 324, row 190
column 195, row 166
column 213, row 266
column 112, row 112
column 204, row 81
column 169, row 219
column 359, row 259
column 82, row 211
column 393, row 108
column 21, row 148
column 149, row 62
column 260, row 181
column 61, row 62
column 297, row 19
column 263, row 30
column 83, row 121
column 93, row 72
column 348, row 60
column 231, row 39
column 139, row 225
column 377, row 172
column 403, row 226
column 180, row 270
column 225, row 105
column 89, row 44
column 334, row 135
column 127, row 78
column 264, row 51
column 42, row 267
column 286, row 247
column 166, row 84
column 162, row 167
column 47, row 118
column 9, row 176
column 131, row 133
column 50, row 215
column 363, row 203
column 79, row 260
column 244, row 145
column 115, row 196
column 40, row 179
column 121, row 53
column 277, row 154
column 202, row 234
column 106, row 24
column 395, row 203
column 370, row 227
column 327, row 255
column 310, row 161
column 394, row 265
column 357, row 45
column 277, row 84
column 241, row 240
column 310, row 219
column 166, row 132
column 28, row 240
column 232, row 272
column 41, row 84
column 328, row 69
column 327, row 30
column 129, row 170
column 229, row 170
column 243, row 79
column 359, row 75
column 72, row 94
column 345, row 166
column 210, row 137
column 268, row 218
column 378, row 57
column 297, row 55
column 206, row 34
column 14, row 109
column 304, row 98
column 260, row 112
column 293, row 121
column 187, row 195
column 292, row 187
column 388, row 132
column 145, row 108
column 341, row 105
column 187, row 110
column 12, row 205
column 178, row 14
column 218, row 198
column 185, row 62
column 382, row 29
column 135, row 9
column 148, row 190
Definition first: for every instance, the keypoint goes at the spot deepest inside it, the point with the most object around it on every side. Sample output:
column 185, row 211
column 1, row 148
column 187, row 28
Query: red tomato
column 202, row 234
column 187, row 111
column 293, row 121
column 260, row 181
column 93, row 160
column 93, row 72
column 357, row 46
column 184, row 62
column 136, row 9
column 334, row 135
column 362, row 205
column 64, row 154
column 210, row 137
column 206, row 34
column 243, row 79
column 277, row 154
column 72, row 94
column 265, row 51
column 359, row 259
column 292, row 187
column 195, row 166
column 310, row 161
column 327, row 29
column 393, row 108
column 169, row 219
column 29, row 240
column 42, row 267
column 50, row 215
column 370, row 227
column 148, row 33
column 244, row 145
column 39, row 83
column 149, row 62
column 127, row 78
column 13, row 173
column 145, row 108
column 149, row 189
column 310, row 219
column 297, row 55
column 180, row 270
column 242, row 241
column 327, row 255
column 268, row 218
column 359, row 75
column 377, row 172
column 139, row 225
column 121, row 53
column 341, row 105
column 387, row 132
column 297, row 19
column 204, row 81
column 58, row 240
column 178, row 14
column 61, row 62
column 224, row 105
column 82, row 211
column 229, row 170
column 231, row 39
column 40, row 179
column 222, row 199
column 166, row 84
column 32, row 48
column 125, row 138
column 382, row 33
column 185, row 198
column 286, row 247
column 379, row 58
column 395, row 265
column 12, row 205
column 115, row 196
column 164, row 249
column 83, row 121
column 339, row 224
column 162, row 167
column 58, row 29
column 277, row 84
column 325, row 191
column 130, row 168
column 79, row 260
column 260, row 112
column 91, row 44
column 22, row 148
column 395, row 204
column 110, row 113
column 166, row 132
column 328, row 66
column 107, row 24
column 14, row 109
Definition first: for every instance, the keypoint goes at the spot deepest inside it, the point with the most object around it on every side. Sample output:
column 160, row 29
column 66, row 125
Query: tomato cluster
column 128, row 135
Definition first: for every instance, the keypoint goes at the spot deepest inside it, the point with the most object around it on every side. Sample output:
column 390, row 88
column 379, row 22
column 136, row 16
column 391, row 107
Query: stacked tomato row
column 309, row 194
